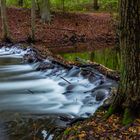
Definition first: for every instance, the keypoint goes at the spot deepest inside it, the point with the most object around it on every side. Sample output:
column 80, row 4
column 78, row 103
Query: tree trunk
column 95, row 4
column 5, row 33
column 20, row 3
column 45, row 12
column 128, row 97
column 33, row 21
column 38, row 5
column 63, row 5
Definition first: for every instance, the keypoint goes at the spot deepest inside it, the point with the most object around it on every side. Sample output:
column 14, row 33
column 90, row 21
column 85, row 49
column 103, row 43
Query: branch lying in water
column 65, row 80
column 101, row 68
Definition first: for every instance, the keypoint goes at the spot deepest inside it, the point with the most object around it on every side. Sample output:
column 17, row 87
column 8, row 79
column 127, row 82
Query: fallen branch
column 65, row 80
column 70, row 30
column 101, row 68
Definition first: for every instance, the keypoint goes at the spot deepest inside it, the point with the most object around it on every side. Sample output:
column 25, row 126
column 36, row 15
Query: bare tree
column 95, row 4
column 45, row 11
column 5, row 33
column 20, row 3
column 33, row 20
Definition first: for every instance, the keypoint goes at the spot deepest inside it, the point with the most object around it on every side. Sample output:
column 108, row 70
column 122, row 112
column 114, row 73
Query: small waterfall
column 43, row 87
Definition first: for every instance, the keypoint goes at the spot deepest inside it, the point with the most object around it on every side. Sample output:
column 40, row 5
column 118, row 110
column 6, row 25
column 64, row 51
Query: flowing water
column 52, row 92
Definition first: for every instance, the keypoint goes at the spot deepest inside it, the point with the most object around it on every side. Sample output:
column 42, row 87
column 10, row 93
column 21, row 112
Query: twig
column 30, row 91
column 70, row 30
column 65, row 80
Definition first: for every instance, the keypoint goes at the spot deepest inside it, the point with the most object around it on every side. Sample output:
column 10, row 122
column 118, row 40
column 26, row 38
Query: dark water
column 26, row 93
column 110, row 57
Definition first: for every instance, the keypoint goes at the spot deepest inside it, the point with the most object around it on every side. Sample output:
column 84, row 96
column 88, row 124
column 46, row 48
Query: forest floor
column 96, row 128
column 90, row 30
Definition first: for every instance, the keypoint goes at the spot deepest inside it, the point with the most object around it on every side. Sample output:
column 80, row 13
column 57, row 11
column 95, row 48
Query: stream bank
column 97, row 128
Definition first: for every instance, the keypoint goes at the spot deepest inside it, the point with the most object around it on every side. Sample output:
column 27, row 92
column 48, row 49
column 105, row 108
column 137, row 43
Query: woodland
column 69, row 69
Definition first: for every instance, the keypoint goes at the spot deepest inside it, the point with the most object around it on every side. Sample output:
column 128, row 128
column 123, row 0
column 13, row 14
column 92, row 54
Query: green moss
column 109, row 112
column 66, row 132
column 127, row 118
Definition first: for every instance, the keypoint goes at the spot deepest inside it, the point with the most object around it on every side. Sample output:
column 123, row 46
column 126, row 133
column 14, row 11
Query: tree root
column 128, row 118
column 110, row 111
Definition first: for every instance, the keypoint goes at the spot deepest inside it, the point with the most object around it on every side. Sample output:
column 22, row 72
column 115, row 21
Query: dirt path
column 65, row 29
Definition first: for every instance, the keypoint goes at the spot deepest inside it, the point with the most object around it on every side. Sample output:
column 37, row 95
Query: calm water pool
column 110, row 57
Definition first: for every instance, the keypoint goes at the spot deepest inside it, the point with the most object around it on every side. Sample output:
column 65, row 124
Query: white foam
column 43, row 94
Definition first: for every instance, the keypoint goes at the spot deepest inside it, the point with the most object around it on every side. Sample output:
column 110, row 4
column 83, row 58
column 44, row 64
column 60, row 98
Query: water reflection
column 110, row 57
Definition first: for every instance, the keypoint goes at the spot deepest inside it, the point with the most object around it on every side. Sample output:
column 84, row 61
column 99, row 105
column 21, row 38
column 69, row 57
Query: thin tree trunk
column 45, row 12
column 63, row 5
column 20, row 3
column 95, row 4
column 33, row 21
column 5, row 33
column 38, row 5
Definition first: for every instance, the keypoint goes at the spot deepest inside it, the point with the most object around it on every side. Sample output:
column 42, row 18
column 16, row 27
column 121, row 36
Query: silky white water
column 25, row 90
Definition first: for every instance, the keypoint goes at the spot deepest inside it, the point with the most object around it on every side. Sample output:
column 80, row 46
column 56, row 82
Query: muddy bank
column 65, row 29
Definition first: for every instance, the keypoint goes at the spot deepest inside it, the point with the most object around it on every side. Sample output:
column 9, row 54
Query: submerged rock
column 70, row 87
column 62, row 84
column 109, row 100
column 45, row 65
column 74, row 72
column 100, row 94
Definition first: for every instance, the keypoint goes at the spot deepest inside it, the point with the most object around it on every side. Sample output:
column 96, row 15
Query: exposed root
column 110, row 111
column 128, row 118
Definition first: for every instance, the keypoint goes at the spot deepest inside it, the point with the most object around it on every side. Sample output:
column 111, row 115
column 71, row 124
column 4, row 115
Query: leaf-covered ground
column 96, row 128
column 64, row 30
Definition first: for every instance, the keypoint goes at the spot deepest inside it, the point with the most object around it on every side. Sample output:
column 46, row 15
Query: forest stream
column 46, row 90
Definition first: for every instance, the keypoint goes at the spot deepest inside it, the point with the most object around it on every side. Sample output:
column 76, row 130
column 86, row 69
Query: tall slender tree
column 33, row 20
column 20, row 3
column 95, row 4
column 5, row 33
column 45, row 11
column 63, row 5
column 128, row 96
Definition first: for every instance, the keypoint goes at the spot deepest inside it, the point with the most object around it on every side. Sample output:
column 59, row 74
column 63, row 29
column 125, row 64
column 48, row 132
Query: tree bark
column 5, row 33
column 33, row 21
column 20, row 3
column 45, row 11
column 63, row 5
column 95, row 4
column 128, row 97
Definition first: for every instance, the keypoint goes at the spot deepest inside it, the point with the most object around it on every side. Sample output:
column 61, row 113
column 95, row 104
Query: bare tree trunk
column 5, row 33
column 63, row 5
column 38, row 5
column 95, row 4
column 33, row 21
column 20, row 3
column 128, row 97
column 45, row 12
